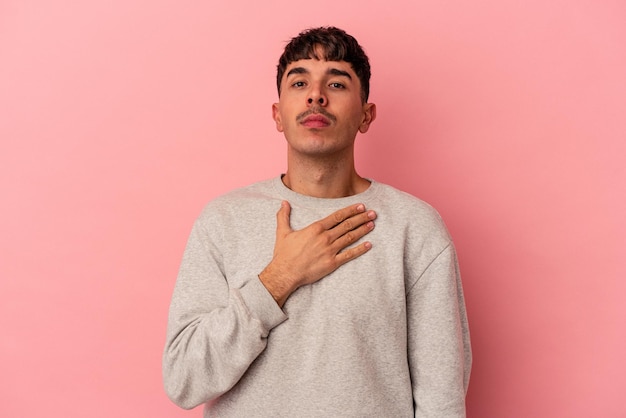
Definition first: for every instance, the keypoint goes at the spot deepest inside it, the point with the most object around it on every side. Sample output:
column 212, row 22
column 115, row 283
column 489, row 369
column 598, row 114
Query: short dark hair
column 337, row 46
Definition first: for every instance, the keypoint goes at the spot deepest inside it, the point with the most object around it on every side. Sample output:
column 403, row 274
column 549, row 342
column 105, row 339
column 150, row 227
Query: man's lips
column 315, row 121
column 316, row 117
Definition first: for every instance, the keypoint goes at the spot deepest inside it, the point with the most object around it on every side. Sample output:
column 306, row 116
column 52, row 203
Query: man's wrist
column 275, row 285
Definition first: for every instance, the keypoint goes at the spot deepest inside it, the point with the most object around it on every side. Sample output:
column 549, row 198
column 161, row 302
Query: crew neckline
column 294, row 197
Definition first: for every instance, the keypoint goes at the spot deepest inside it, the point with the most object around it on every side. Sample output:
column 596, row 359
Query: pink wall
column 120, row 119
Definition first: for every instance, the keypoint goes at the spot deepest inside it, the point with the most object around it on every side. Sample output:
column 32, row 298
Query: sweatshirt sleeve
column 214, row 331
column 438, row 341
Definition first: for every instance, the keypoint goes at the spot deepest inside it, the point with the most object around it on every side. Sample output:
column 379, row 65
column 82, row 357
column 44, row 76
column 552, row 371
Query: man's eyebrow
column 297, row 70
column 335, row 71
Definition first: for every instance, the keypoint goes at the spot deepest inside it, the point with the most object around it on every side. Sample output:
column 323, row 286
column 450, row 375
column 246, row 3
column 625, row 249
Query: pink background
column 120, row 119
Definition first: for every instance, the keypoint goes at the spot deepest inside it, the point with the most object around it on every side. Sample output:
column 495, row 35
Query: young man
column 347, row 302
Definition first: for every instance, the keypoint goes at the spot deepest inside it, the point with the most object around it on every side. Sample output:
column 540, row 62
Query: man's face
column 320, row 109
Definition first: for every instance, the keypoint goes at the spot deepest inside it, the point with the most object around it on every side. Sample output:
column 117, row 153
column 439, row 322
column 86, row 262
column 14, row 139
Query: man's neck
column 324, row 180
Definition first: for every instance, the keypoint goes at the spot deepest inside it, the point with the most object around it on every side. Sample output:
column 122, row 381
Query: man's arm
column 439, row 346
column 215, row 332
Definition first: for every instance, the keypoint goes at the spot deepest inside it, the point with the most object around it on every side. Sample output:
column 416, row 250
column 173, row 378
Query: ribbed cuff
column 261, row 304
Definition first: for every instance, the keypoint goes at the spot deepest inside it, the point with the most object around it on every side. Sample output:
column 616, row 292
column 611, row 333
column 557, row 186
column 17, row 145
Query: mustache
column 316, row 110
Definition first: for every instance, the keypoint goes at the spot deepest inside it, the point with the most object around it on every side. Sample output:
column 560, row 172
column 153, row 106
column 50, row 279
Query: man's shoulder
column 403, row 200
column 415, row 213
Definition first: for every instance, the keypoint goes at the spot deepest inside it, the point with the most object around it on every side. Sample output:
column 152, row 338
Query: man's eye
column 337, row 85
column 298, row 84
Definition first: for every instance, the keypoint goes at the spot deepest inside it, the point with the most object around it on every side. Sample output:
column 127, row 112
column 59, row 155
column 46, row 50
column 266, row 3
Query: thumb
column 282, row 218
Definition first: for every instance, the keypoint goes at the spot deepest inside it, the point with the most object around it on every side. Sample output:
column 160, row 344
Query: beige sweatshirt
column 385, row 335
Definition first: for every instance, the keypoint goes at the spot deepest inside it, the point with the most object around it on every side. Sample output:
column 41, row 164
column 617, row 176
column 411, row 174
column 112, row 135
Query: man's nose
column 320, row 100
column 316, row 97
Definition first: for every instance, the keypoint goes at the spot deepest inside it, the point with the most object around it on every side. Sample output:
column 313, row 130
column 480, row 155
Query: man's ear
column 369, row 114
column 276, row 117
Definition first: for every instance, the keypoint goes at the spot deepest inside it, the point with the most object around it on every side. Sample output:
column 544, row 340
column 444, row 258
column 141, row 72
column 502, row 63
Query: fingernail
column 371, row 214
column 360, row 208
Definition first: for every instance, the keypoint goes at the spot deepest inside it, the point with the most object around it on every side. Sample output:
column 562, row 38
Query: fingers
column 348, row 237
column 341, row 228
column 352, row 253
column 353, row 228
column 341, row 215
column 283, row 225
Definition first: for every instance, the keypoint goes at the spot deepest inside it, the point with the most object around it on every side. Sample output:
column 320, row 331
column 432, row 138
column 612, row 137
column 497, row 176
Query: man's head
column 336, row 45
